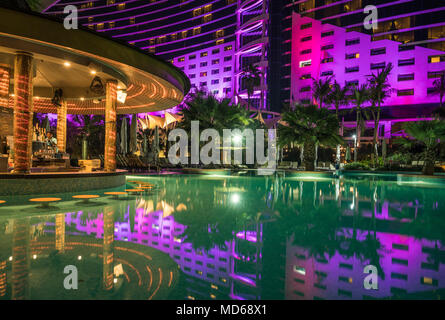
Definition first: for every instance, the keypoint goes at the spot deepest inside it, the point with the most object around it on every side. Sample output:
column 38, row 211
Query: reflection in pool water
column 233, row 237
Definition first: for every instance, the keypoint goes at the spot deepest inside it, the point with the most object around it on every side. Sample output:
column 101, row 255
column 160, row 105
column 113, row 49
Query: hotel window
column 435, row 74
column 406, row 48
column 184, row 34
column 203, row 64
column 352, row 69
column 196, row 31
column 345, row 279
column 352, row 56
column 192, row 57
column 152, row 49
column 173, row 36
column 352, row 83
column 305, row 63
column 304, row 39
column 306, row 26
column 227, row 79
column 219, row 41
column 182, row 59
column 380, row 65
column 151, row 42
column 87, row 5
column 227, row 90
column 378, row 51
column 216, row 81
column 219, row 33
column 327, row 33
column 344, row 293
column 305, row 76
column 305, row 89
column 406, row 62
column 111, row 24
column 216, row 61
column 307, row 51
column 227, row 48
column 227, row 58
column 203, row 74
column 197, row 12
column 161, row 39
column 327, row 60
column 204, row 54
column 109, row 2
column 230, row 1
column 90, row 19
column 401, row 93
column 192, row 76
column 99, row 26
column 215, row 51
column 207, row 18
column 192, row 66
column 327, row 47
column 327, row 73
column 227, row 69
column 208, row 8
column 436, row 59
column 132, row 20
column 215, row 71
column 405, row 77
column 428, row 281
column 203, row 84
column 121, row 6
column 352, row 42
column 399, row 276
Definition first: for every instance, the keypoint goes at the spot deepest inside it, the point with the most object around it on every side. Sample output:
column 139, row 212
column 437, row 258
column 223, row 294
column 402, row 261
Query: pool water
column 229, row 237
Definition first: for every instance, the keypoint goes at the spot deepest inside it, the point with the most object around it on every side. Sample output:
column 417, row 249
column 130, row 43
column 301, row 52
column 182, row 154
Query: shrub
column 360, row 165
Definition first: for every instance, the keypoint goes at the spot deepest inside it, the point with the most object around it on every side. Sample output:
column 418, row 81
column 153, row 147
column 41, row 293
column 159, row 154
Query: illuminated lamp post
column 23, row 111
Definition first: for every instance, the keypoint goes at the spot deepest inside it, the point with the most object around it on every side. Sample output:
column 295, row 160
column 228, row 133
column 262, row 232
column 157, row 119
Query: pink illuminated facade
column 324, row 50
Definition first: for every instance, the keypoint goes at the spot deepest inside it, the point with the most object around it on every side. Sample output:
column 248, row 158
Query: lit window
column 196, row 31
column 204, row 54
column 208, row 8
column 207, row 18
column 100, row 26
column 228, row 48
column 219, row 34
column 121, row 6
column 219, row 41
column 132, row 20
column 197, row 12
column 305, row 63
column 216, row 61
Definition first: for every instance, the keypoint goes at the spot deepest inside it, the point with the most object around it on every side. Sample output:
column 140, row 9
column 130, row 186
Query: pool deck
column 59, row 182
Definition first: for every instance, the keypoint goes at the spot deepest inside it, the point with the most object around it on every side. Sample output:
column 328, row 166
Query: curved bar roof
column 151, row 84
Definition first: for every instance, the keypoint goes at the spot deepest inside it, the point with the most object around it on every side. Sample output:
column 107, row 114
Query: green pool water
column 219, row 236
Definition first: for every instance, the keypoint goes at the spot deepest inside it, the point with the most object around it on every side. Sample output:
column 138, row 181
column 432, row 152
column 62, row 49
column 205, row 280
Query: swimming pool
column 219, row 236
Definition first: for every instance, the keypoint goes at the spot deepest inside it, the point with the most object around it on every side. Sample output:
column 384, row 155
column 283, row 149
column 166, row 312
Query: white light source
column 237, row 138
column 354, row 136
column 79, row 258
column 121, row 96
column 235, row 198
column 115, row 280
column 67, row 64
column 10, row 258
column 34, row 256
column 93, row 72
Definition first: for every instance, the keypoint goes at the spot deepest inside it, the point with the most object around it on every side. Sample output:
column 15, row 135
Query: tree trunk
column 428, row 167
column 357, row 137
column 309, row 156
column 375, row 139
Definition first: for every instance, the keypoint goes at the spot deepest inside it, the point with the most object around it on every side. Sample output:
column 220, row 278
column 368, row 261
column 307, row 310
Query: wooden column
column 23, row 112
column 110, row 126
column 61, row 127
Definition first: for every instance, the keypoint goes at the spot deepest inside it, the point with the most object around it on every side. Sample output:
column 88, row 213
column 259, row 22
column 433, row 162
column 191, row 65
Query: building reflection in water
column 271, row 237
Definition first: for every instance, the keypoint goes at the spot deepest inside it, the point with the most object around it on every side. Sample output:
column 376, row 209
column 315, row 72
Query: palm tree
column 359, row 97
column 321, row 89
column 213, row 113
column 90, row 129
column 428, row 134
column 338, row 96
column 439, row 87
column 379, row 90
column 309, row 126
column 251, row 77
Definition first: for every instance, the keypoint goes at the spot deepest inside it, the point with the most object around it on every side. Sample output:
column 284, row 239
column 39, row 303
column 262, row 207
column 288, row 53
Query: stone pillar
column 60, row 232
column 110, row 126
column 61, row 127
column 108, row 248
column 23, row 111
